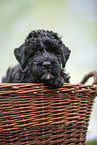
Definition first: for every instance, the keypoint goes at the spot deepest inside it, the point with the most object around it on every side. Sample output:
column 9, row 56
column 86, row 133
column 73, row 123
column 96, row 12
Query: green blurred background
column 75, row 20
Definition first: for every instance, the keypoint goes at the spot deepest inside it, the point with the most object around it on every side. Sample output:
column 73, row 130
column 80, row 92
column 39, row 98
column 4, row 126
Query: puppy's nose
column 47, row 64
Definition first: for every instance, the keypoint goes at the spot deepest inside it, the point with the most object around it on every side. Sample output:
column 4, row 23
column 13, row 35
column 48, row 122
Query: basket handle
column 91, row 74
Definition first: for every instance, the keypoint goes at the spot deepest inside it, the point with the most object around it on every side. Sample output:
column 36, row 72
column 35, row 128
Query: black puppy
column 41, row 58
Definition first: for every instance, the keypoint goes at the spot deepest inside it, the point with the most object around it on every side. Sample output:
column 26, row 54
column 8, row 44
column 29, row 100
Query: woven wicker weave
column 32, row 114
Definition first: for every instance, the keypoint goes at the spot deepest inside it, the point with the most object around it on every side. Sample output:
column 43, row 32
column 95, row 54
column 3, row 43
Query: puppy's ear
column 65, row 55
column 21, row 55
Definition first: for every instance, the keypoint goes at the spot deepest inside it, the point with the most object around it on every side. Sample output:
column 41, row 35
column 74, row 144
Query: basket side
column 59, row 117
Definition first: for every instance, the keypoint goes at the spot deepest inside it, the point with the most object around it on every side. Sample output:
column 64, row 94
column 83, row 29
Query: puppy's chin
column 47, row 76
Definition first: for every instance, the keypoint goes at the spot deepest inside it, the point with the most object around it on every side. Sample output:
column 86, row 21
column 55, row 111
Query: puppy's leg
column 7, row 79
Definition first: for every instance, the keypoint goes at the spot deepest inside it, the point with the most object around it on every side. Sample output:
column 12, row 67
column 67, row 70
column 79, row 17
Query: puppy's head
column 44, row 53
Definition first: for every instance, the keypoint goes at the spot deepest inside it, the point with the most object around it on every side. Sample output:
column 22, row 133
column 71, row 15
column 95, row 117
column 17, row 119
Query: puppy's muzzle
column 47, row 74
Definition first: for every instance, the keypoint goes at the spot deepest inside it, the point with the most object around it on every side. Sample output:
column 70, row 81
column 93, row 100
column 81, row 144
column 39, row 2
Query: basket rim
column 8, row 88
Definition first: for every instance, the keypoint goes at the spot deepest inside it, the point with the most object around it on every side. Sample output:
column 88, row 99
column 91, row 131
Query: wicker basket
column 32, row 114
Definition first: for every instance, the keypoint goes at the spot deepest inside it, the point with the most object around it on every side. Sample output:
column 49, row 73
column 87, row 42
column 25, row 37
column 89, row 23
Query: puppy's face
column 44, row 53
column 44, row 65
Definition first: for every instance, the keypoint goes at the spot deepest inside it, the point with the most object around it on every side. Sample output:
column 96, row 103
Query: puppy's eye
column 57, row 52
column 39, row 64
column 53, row 62
column 30, row 52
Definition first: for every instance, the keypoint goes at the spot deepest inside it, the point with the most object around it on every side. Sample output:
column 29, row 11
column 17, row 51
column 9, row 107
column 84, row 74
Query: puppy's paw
column 56, row 83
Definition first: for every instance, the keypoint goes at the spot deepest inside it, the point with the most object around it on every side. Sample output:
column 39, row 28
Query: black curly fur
column 41, row 58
